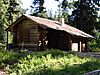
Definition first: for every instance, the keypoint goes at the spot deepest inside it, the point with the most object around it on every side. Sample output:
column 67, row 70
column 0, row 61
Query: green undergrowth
column 49, row 62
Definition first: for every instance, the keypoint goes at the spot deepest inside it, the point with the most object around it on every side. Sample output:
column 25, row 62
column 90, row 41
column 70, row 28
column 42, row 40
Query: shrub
column 49, row 62
column 2, row 46
column 94, row 45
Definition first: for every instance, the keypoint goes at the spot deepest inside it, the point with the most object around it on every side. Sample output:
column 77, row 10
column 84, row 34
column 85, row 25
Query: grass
column 49, row 62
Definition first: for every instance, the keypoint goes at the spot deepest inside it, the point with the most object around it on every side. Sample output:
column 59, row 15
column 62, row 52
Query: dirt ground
column 89, row 54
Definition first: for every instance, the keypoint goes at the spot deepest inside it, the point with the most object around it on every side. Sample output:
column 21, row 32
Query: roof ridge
column 54, row 25
column 42, row 18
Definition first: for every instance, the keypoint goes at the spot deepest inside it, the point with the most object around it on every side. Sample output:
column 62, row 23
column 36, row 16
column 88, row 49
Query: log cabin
column 35, row 33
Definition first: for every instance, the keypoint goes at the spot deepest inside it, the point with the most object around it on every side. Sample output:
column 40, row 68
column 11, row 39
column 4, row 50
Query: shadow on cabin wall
column 57, row 40
column 10, row 46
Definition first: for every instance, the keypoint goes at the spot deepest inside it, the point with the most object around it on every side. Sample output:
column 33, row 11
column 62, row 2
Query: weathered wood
column 80, row 46
column 86, row 47
column 70, row 43
column 24, row 33
column 28, row 34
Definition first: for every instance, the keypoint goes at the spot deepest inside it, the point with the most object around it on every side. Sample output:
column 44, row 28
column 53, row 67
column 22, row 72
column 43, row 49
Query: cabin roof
column 54, row 25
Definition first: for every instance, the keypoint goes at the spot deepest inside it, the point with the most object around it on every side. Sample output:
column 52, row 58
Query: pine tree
column 13, row 11
column 84, row 17
column 38, row 9
column 64, row 8
column 3, row 19
column 7, row 15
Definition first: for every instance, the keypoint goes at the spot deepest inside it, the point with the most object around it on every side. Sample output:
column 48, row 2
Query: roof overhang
column 52, row 24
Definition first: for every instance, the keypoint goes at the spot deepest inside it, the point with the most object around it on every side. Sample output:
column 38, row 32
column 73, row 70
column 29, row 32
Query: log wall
column 26, row 35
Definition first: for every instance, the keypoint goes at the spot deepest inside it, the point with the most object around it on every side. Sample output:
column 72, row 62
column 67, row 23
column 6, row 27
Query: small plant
column 49, row 62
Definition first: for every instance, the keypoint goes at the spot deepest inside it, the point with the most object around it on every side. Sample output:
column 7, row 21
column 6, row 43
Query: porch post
column 7, row 41
column 86, row 47
column 79, row 46
column 70, row 43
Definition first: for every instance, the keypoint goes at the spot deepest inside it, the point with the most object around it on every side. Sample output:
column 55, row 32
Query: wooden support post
column 7, row 41
column 23, row 45
column 86, row 47
column 79, row 46
column 70, row 43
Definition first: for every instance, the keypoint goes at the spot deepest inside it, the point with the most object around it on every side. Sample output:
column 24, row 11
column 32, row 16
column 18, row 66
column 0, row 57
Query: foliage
column 37, row 8
column 49, row 62
column 66, row 5
column 3, row 20
column 85, row 15
column 94, row 45
column 9, row 11
column 8, row 14
column 2, row 46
